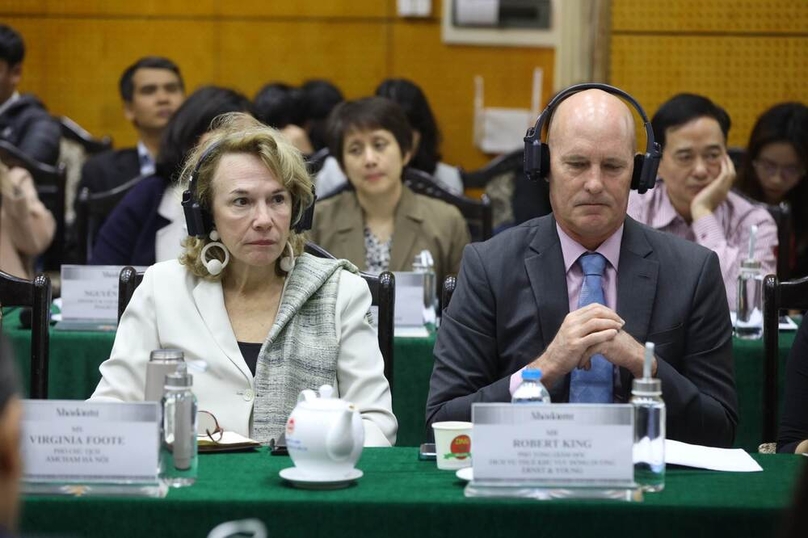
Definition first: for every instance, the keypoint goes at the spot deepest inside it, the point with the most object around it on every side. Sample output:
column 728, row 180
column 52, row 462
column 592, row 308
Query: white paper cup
column 452, row 444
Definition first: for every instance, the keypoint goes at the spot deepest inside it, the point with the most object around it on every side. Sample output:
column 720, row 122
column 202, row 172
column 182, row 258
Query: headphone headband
column 537, row 153
column 199, row 219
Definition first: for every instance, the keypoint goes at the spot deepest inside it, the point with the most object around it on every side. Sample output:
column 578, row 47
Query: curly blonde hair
column 237, row 132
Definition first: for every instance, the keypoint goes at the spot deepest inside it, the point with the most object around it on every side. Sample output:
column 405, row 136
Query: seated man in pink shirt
column 692, row 198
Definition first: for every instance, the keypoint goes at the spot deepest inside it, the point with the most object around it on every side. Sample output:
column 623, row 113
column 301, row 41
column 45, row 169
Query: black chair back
column 128, row 280
column 478, row 214
column 383, row 295
column 51, row 187
column 92, row 209
column 506, row 163
column 382, row 292
column 777, row 296
column 36, row 295
column 449, row 284
column 75, row 132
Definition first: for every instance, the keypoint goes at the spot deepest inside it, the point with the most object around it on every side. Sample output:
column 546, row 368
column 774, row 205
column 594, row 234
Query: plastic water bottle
column 531, row 390
column 749, row 319
column 178, row 453
column 649, row 428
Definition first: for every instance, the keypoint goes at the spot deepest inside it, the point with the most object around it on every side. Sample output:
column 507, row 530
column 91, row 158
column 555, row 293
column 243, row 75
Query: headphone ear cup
column 637, row 174
column 544, row 161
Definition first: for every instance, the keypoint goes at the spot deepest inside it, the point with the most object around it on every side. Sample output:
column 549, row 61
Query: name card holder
column 552, row 451
column 86, row 448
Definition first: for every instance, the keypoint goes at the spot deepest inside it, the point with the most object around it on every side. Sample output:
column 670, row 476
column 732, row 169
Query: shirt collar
column 572, row 250
column 9, row 102
column 145, row 159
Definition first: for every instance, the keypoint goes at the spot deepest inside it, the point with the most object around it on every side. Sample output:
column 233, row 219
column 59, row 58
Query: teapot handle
column 306, row 395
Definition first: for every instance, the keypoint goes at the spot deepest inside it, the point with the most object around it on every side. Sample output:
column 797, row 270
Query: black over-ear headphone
column 200, row 221
column 537, row 153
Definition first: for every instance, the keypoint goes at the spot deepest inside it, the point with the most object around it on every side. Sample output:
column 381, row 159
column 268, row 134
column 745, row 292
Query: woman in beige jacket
column 26, row 225
column 378, row 223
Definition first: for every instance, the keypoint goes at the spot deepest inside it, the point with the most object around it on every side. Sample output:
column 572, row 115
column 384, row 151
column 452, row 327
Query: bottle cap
column 167, row 355
column 646, row 386
column 531, row 373
column 179, row 379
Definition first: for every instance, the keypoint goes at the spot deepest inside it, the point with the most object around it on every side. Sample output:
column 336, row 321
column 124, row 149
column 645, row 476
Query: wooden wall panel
column 352, row 54
column 365, row 9
column 74, row 65
column 77, row 50
column 722, row 16
column 745, row 55
column 446, row 74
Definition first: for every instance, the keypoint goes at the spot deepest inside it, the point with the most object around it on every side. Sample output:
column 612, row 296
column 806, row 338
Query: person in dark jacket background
column 148, row 225
column 24, row 122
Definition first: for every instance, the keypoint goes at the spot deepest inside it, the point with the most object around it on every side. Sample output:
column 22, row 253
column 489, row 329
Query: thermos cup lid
column 167, row 355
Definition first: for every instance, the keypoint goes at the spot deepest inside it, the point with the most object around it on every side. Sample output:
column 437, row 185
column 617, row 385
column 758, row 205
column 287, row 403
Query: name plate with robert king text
column 553, row 445
column 84, row 442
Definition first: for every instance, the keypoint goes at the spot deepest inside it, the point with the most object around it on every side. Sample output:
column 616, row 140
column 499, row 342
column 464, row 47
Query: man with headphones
column 577, row 293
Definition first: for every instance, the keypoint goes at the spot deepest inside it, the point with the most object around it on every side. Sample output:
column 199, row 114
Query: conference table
column 402, row 496
column 75, row 357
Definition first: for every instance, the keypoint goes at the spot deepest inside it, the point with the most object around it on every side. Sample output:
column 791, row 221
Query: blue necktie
column 596, row 384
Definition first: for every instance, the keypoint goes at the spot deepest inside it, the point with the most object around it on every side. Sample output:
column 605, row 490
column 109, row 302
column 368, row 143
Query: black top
column 250, row 350
column 794, row 421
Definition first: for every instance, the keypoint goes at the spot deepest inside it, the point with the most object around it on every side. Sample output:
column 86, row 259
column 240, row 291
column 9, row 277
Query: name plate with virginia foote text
column 547, row 451
column 78, row 448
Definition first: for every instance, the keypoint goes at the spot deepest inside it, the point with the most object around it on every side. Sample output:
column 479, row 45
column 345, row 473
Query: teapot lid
column 324, row 401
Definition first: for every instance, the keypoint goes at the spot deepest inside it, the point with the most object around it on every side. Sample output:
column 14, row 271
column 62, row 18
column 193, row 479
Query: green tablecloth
column 75, row 356
column 401, row 496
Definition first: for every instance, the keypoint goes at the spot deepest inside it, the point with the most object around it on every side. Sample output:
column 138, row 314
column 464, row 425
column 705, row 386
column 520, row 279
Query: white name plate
column 409, row 299
column 75, row 441
column 90, row 292
column 566, row 445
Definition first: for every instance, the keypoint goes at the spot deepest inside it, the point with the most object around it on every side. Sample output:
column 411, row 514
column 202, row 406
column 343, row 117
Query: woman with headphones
column 266, row 319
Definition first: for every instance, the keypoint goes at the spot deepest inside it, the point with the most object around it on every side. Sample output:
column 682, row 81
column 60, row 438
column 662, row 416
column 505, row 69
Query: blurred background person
column 692, row 197
column 281, row 106
column 148, row 225
column 26, row 225
column 376, row 222
column 319, row 99
column 774, row 171
column 152, row 90
column 268, row 320
column 426, row 135
column 10, row 440
column 24, row 122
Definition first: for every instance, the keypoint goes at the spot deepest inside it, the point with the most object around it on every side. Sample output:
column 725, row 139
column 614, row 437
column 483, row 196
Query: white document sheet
column 705, row 457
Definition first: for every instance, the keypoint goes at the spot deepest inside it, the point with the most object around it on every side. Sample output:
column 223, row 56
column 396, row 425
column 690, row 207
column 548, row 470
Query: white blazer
column 174, row 309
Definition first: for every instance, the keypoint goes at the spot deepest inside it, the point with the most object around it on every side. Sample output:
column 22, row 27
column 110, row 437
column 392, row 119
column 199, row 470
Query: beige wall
column 77, row 50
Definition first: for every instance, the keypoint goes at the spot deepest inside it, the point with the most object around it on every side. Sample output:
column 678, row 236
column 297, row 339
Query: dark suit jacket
column 128, row 235
column 109, row 169
column 27, row 125
column 511, row 299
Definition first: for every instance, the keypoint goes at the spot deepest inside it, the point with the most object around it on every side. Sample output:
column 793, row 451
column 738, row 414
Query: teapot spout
column 340, row 440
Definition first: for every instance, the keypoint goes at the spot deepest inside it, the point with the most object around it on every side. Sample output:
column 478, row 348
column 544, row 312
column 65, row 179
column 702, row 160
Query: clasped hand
column 593, row 329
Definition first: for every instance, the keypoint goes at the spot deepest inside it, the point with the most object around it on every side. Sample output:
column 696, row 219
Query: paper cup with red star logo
column 452, row 444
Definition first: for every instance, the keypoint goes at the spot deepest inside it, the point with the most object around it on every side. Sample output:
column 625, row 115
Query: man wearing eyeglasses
column 692, row 198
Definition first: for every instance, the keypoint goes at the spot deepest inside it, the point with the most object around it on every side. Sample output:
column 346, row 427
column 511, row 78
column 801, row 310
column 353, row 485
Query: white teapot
column 324, row 435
